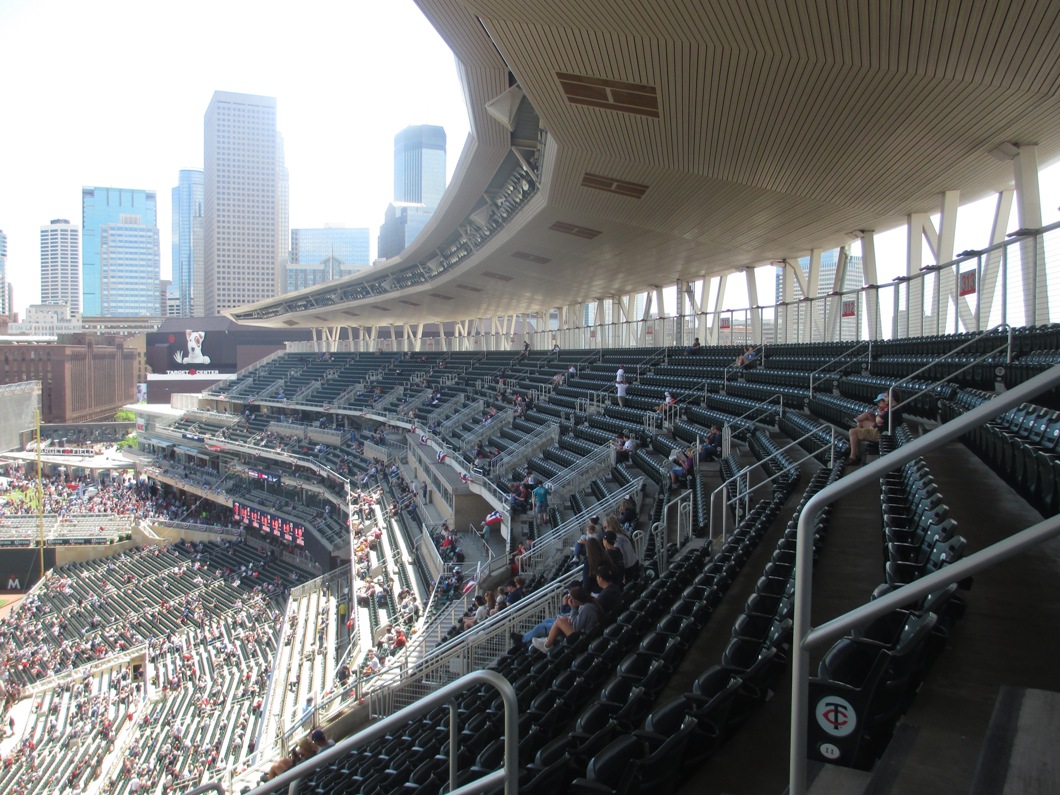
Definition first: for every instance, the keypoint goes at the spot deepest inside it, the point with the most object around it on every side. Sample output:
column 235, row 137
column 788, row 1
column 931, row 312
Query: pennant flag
column 465, row 478
column 494, row 518
column 423, row 438
column 215, row 448
column 441, row 456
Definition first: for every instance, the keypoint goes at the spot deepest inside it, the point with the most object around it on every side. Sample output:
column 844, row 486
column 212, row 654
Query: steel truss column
column 1032, row 249
column 810, row 290
column 918, row 224
column 756, row 310
column 872, row 296
column 833, row 306
column 719, row 300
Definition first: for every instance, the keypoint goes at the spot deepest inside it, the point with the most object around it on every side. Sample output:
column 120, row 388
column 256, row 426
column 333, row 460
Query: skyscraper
column 5, row 298
column 419, row 182
column 244, row 202
column 188, row 254
column 60, row 264
column 120, row 261
column 419, row 165
column 320, row 255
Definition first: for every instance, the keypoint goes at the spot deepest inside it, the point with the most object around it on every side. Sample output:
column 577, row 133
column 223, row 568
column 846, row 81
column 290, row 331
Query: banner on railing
column 850, row 308
column 966, row 285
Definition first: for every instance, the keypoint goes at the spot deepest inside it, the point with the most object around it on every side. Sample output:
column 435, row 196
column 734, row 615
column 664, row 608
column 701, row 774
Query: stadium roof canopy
column 683, row 139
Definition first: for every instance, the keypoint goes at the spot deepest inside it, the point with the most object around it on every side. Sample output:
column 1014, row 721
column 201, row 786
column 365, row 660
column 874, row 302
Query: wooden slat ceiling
column 782, row 125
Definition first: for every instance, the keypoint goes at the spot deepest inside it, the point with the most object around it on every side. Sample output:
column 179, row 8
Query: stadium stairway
column 1007, row 637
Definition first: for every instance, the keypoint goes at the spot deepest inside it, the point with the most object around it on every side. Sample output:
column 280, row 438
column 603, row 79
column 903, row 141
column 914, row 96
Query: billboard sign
column 191, row 351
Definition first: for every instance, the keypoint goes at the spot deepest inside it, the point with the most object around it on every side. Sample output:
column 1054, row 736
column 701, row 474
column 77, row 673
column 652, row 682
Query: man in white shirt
column 620, row 385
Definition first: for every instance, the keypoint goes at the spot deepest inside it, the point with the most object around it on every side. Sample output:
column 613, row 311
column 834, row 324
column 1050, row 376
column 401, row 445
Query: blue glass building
column 188, row 252
column 119, row 260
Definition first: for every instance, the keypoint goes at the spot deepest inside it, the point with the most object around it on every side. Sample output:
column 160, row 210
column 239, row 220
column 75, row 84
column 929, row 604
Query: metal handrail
column 520, row 448
column 765, row 402
column 509, row 774
column 751, row 489
column 828, row 364
column 890, row 390
column 806, row 637
column 594, row 459
column 468, row 410
column 756, row 465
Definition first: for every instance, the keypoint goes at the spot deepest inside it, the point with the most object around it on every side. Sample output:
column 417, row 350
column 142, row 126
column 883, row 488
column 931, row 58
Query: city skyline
column 339, row 157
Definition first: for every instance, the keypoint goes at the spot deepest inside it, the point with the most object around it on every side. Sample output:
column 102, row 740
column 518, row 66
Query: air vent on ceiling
column 610, row 185
column 442, row 297
column 498, row 276
column 531, row 257
column 290, row 322
column 322, row 319
column 577, row 231
column 348, row 313
column 381, row 308
column 409, row 303
column 469, row 288
column 618, row 95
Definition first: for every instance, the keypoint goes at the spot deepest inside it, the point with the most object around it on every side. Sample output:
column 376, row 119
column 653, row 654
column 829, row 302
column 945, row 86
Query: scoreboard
column 279, row 526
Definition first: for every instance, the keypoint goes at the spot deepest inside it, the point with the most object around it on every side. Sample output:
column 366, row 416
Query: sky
column 113, row 94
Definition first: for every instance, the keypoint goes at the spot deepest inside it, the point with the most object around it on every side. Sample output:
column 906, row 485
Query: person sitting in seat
column 868, row 426
column 584, row 616
column 683, row 468
column 694, row 348
column 746, row 357
column 664, row 407
column 711, row 445
column 609, row 596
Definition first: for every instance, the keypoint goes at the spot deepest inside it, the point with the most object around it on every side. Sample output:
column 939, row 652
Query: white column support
column 752, row 298
column 1032, row 251
column 833, row 306
column 719, row 299
column 946, row 285
column 992, row 263
column 919, row 227
column 810, row 289
column 872, row 298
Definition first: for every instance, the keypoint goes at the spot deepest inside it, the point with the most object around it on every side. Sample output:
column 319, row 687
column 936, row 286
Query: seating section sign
column 966, row 283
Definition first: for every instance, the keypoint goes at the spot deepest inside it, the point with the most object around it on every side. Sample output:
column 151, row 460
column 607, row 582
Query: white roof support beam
column 833, row 307
column 752, row 299
column 992, row 264
column 872, row 297
column 810, row 289
column 919, row 227
column 719, row 302
column 1032, row 255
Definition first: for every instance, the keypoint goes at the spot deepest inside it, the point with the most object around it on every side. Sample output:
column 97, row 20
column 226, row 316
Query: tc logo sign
column 836, row 716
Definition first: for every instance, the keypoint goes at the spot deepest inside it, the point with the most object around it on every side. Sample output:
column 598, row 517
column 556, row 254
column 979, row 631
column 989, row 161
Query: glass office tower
column 135, row 211
column 188, row 255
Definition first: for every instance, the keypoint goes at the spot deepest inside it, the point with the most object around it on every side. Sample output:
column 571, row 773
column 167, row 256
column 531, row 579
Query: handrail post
column 802, row 627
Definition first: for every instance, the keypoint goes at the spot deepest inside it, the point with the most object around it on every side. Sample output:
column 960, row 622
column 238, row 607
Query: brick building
column 84, row 379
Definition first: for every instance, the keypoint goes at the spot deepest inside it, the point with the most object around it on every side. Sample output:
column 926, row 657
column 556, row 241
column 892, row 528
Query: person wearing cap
column 584, row 616
column 621, row 385
column 668, row 400
column 868, row 426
